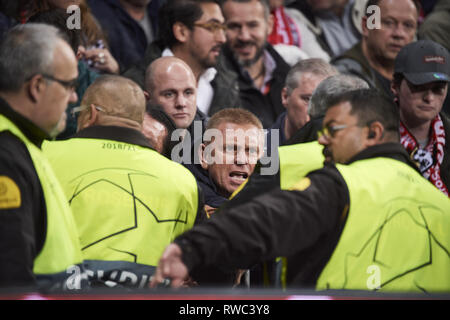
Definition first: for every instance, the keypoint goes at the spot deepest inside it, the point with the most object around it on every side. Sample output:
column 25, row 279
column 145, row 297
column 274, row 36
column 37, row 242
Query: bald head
column 117, row 99
column 170, row 83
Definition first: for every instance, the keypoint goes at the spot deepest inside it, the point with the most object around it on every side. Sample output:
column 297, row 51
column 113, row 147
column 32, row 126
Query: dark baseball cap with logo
column 423, row 61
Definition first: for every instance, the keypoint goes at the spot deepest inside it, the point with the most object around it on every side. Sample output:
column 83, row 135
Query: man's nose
column 428, row 95
column 241, row 157
column 73, row 97
column 181, row 101
column 220, row 36
column 323, row 140
column 244, row 34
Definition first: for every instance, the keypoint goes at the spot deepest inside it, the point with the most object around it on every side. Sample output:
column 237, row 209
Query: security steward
column 129, row 202
column 39, row 245
column 368, row 222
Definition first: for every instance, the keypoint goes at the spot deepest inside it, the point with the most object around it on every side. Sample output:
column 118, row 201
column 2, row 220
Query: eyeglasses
column 70, row 85
column 330, row 131
column 213, row 27
column 78, row 109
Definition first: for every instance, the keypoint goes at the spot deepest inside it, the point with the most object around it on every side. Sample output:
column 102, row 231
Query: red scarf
column 284, row 29
column 430, row 158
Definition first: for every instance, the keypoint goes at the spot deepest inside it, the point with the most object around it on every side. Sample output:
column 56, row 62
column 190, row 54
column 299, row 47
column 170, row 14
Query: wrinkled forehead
column 234, row 134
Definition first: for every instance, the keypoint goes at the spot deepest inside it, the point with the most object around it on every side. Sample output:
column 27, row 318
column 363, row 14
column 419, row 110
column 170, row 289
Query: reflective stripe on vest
column 297, row 160
column 56, row 262
column 129, row 202
column 396, row 237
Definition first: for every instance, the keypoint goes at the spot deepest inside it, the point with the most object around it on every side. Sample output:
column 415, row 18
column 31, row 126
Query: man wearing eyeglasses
column 39, row 241
column 368, row 222
column 194, row 31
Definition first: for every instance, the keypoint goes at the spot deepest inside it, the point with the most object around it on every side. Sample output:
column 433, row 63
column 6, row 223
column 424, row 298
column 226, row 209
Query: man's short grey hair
column 315, row 66
column 330, row 88
column 25, row 51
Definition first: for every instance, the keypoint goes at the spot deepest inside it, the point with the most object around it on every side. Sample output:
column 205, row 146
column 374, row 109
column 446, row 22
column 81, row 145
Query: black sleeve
column 257, row 184
column 22, row 226
column 201, row 213
column 276, row 223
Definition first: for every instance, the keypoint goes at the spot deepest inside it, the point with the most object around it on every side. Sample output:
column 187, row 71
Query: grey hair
column 330, row 88
column 25, row 51
column 316, row 66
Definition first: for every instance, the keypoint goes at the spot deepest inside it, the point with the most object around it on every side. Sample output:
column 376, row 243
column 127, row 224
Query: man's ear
column 180, row 31
column 394, row 88
column 365, row 30
column 270, row 22
column 375, row 133
column 87, row 118
column 147, row 95
column 36, row 87
column 202, row 156
column 284, row 97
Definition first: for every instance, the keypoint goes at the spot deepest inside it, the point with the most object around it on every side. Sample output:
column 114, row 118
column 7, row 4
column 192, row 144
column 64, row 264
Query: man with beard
column 194, row 31
column 261, row 69
column 372, row 59
column 366, row 221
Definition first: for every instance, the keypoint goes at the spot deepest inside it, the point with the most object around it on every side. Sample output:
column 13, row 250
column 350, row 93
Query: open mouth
column 238, row 176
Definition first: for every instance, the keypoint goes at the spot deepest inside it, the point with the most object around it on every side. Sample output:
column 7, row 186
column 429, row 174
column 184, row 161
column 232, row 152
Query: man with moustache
column 367, row 210
column 194, row 31
column 261, row 69
column 372, row 59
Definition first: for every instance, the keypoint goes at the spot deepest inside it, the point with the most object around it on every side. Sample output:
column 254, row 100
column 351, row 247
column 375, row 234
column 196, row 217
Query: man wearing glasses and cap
column 420, row 85
column 368, row 221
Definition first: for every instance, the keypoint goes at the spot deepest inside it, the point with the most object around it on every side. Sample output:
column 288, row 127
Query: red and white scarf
column 429, row 158
column 285, row 30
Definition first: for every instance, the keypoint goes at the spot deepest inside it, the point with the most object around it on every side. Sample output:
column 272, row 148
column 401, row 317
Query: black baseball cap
column 423, row 61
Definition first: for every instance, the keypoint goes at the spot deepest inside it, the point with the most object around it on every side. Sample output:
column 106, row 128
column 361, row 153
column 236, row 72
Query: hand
column 171, row 266
column 103, row 60
column 209, row 210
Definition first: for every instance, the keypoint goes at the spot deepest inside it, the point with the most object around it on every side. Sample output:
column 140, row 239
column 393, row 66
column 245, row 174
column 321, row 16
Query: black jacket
column 266, row 107
column 445, row 167
column 225, row 85
column 354, row 62
column 304, row 225
column 23, row 229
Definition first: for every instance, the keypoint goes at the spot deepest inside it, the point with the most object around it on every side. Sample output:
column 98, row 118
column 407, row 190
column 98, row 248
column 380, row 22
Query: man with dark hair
column 158, row 128
column 420, row 85
column 39, row 245
column 193, row 31
column 368, row 209
column 372, row 59
column 260, row 68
